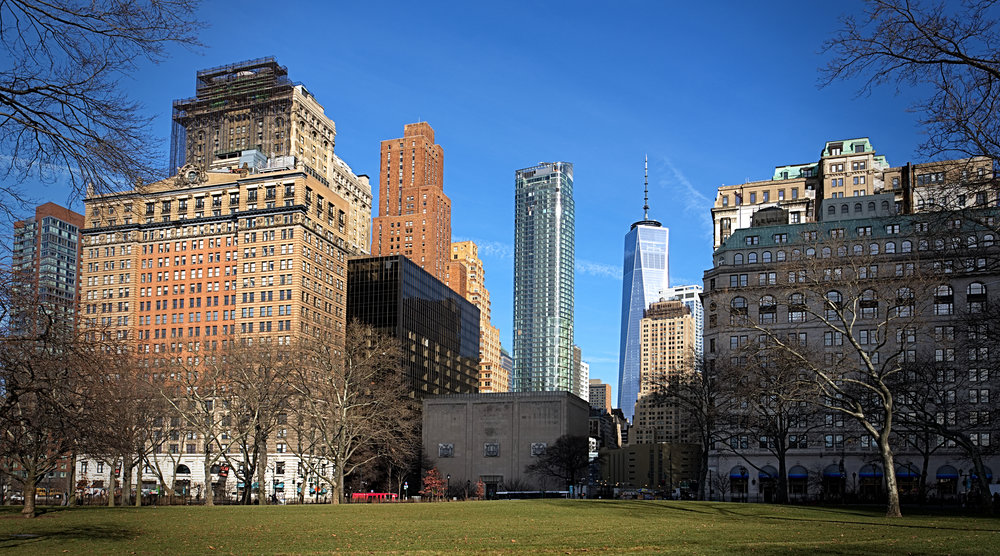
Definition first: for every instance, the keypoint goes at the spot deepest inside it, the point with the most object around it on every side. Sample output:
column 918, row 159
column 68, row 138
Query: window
column 944, row 300
column 834, row 302
column 446, row 450
column 768, row 309
column 780, row 238
column 491, row 450
column 796, row 308
column 753, row 198
column 906, row 246
column 752, row 240
column 976, row 297
column 765, row 257
column 538, row 448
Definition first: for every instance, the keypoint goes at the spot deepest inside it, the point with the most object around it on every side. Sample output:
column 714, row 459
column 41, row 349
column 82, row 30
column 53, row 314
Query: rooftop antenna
column 645, row 206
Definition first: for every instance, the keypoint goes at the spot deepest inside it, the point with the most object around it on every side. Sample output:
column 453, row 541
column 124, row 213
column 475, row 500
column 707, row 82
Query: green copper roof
column 795, row 171
column 849, row 146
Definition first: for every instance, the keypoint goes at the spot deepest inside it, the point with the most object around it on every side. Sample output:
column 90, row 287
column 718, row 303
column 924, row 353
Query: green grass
column 528, row 527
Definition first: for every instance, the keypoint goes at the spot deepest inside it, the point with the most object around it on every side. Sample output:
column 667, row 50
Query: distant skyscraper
column 544, row 221
column 46, row 258
column 414, row 214
column 691, row 297
column 645, row 276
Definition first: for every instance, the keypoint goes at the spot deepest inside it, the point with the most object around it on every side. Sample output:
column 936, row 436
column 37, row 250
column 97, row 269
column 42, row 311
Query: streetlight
column 447, row 490
column 743, row 482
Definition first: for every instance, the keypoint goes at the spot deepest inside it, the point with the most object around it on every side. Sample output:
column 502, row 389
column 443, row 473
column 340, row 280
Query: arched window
column 738, row 310
column 939, row 244
column 944, row 300
column 842, row 251
column 722, row 261
column 765, row 256
column 971, row 241
column 858, row 249
column 738, row 258
column 751, row 258
column 976, row 297
column 857, row 207
column 906, row 246
column 871, row 206
column 834, row 302
column 796, row 307
column 831, row 209
column 922, row 245
column 796, row 254
column 810, row 252
column 768, row 309
column 885, row 206
column 780, row 256
column 873, row 249
column 890, row 247
column 844, row 209
column 904, row 302
column 869, row 304
column 988, row 240
column 826, row 252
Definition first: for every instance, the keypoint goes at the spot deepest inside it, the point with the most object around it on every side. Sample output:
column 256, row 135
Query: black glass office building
column 438, row 328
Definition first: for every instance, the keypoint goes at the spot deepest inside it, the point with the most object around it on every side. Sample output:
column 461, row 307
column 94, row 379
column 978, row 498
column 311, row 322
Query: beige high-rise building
column 465, row 276
column 254, row 106
column 188, row 261
column 667, row 350
column 600, row 395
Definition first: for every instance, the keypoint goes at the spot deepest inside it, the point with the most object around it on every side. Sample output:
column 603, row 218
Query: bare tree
column 46, row 387
column 257, row 374
column 63, row 113
column 952, row 49
column 351, row 407
column 770, row 401
column 566, row 460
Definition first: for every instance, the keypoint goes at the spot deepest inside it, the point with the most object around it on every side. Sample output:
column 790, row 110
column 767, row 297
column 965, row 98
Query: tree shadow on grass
column 85, row 533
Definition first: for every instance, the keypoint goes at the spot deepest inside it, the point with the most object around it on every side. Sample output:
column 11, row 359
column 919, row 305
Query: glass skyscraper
column 644, row 279
column 544, row 223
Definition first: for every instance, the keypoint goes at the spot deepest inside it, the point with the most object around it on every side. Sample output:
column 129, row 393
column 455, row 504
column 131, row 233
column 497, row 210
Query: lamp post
column 447, row 490
column 743, row 483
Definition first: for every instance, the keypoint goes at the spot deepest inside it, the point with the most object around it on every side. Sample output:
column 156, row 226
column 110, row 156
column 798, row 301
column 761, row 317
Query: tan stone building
column 182, row 263
column 600, row 395
column 253, row 105
column 466, row 277
column 414, row 215
column 667, row 350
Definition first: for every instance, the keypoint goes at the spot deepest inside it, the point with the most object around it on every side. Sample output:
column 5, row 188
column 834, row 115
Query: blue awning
column 832, row 471
column 908, row 471
column 946, row 472
column 870, row 471
column 738, row 472
column 798, row 472
column 768, row 472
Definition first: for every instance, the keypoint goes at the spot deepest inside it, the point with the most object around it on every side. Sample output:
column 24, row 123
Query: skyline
column 706, row 117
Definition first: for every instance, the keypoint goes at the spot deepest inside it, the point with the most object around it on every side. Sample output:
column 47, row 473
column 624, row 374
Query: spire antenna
column 645, row 206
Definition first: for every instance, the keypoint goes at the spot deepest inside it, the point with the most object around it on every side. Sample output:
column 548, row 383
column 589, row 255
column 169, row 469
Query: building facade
column 906, row 283
column 644, row 279
column 494, row 437
column 466, row 276
column 666, row 351
column 438, row 329
column 254, row 106
column 414, row 214
column 46, row 258
column 600, row 395
column 544, row 259
column 691, row 297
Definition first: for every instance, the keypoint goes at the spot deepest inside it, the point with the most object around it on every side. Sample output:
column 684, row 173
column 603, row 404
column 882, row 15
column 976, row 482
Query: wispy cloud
column 598, row 269
column 490, row 249
column 695, row 202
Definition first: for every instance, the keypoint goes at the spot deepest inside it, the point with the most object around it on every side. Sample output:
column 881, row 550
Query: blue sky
column 714, row 93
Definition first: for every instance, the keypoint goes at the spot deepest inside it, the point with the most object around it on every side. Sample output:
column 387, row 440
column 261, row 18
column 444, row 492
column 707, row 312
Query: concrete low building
column 494, row 437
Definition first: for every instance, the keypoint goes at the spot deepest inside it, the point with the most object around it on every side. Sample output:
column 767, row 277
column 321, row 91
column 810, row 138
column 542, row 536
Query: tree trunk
column 892, row 507
column 138, row 484
column 207, row 465
column 262, row 471
column 782, row 481
column 705, row 478
column 29, row 496
column 983, row 499
column 338, row 484
column 71, row 490
column 111, row 484
column 126, row 482
column 922, row 484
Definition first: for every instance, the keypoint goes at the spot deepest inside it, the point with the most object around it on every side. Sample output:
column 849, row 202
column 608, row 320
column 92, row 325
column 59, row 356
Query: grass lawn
column 536, row 526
